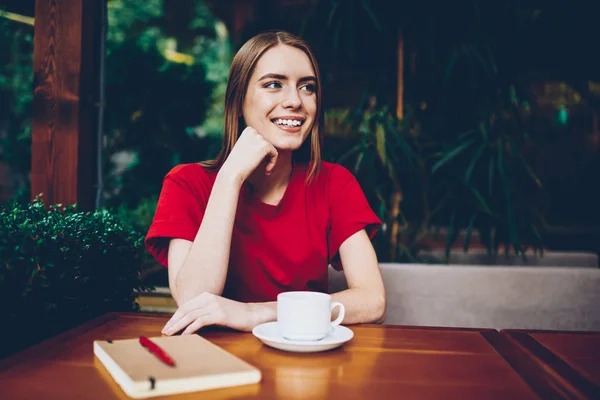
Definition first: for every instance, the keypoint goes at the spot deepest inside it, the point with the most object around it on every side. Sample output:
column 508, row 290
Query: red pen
column 157, row 351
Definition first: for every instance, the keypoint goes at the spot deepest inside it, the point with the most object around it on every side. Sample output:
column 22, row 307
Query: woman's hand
column 210, row 309
column 250, row 150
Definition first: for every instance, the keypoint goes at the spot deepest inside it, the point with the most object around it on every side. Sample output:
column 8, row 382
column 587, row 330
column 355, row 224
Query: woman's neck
column 270, row 188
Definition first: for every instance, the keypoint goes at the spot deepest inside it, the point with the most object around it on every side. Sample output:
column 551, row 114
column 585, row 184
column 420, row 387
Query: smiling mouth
column 290, row 123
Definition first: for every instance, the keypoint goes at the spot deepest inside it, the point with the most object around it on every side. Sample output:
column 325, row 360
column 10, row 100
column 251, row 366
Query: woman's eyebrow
column 273, row 76
column 284, row 77
column 307, row 79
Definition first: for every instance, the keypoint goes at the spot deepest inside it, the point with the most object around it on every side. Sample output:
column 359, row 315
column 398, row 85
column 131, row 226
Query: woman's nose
column 292, row 99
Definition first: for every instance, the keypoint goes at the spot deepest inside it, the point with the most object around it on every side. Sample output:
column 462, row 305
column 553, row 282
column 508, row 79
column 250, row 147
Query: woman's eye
column 309, row 88
column 273, row 85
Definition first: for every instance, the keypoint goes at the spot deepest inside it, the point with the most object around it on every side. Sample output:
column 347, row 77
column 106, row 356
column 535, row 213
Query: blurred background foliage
column 496, row 145
column 16, row 95
column 147, row 131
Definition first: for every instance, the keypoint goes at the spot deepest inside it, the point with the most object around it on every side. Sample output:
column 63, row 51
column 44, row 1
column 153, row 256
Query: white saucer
column 269, row 334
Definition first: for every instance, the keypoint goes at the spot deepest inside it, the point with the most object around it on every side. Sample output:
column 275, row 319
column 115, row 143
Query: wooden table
column 380, row 362
column 572, row 359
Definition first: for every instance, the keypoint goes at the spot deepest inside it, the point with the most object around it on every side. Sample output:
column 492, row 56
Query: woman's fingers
column 200, row 322
column 191, row 306
column 184, row 321
column 208, row 309
column 174, row 319
column 250, row 151
column 272, row 157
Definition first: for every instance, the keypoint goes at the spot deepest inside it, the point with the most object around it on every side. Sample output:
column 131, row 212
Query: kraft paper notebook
column 200, row 365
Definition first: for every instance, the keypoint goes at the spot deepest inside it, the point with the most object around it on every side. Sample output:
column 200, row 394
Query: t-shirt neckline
column 272, row 209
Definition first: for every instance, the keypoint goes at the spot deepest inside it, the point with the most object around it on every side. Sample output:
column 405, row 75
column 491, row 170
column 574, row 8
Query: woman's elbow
column 379, row 308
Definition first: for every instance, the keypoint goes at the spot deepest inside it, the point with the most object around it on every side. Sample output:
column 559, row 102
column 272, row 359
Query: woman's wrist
column 262, row 312
column 229, row 178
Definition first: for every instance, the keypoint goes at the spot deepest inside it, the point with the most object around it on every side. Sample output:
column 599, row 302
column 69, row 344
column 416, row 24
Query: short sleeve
column 349, row 210
column 180, row 209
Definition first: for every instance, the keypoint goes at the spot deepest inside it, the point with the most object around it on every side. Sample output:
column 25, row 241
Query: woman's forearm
column 361, row 306
column 204, row 268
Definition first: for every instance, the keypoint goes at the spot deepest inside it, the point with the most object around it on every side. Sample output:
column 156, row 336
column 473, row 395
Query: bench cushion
column 560, row 298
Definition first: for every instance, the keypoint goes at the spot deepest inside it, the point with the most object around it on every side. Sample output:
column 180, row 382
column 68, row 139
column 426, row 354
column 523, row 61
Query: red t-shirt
column 274, row 248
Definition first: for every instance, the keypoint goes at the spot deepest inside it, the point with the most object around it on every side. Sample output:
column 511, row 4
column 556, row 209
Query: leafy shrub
column 61, row 267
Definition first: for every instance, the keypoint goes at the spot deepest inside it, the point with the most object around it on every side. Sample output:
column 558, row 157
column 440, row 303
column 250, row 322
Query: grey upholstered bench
column 561, row 298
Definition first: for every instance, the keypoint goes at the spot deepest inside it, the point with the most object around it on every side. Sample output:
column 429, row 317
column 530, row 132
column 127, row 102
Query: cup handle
column 340, row 317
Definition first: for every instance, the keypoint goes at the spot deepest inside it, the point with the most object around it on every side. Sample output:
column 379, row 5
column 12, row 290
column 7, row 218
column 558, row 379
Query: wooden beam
column 65, row 102
column 400, row 77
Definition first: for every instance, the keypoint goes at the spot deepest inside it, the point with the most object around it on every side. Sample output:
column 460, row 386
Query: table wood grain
column 570, row 358
column 380, row 362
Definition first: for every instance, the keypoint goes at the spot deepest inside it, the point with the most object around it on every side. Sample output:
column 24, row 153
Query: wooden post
column 400, row 87
column 66, row 90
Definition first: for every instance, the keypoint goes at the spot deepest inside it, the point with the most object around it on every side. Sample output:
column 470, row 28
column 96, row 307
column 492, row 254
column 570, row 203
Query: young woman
column 267, row 215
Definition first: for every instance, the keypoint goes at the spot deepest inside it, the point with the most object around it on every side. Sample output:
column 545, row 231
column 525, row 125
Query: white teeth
column 289, row 122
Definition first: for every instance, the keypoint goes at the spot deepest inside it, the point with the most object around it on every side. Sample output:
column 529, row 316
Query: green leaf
column 532, row 174
column 350, row 152
column 451, row 155
column 358, row 161
column 491, row 174
column 501, row 158
column 490, row 54
column 525, row 164
column 400, row 139
column 367, row 6
column 466, row 134
column 332, row 12
column 483, row 129
column 380, row 142
column 481, row 200
column 450, row 66
column 538, row 237
column 474, row 162
column 336, row 33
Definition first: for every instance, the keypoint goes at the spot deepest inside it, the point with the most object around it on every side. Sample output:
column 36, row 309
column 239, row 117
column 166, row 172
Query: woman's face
column 281, row 100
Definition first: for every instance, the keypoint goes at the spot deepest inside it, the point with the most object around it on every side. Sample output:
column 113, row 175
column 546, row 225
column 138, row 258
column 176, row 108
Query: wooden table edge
column 571, row 380
column 550, row 331
column 543, row 384
column 425, row 328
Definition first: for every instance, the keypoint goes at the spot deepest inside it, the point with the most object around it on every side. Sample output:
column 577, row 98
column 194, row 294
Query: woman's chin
column 287, row 146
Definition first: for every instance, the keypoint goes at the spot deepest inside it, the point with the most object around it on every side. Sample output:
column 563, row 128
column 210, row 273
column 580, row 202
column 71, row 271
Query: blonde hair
column 241, row 70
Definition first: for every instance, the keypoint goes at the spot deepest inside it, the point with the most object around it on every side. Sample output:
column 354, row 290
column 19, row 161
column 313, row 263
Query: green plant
column 141, row 218
column 461, row 156
column 419, row 179
column 388, row 160
column 487, row 182
column 61, row 267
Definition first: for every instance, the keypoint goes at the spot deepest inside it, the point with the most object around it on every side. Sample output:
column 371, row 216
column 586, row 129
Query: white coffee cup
column 306, row 315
